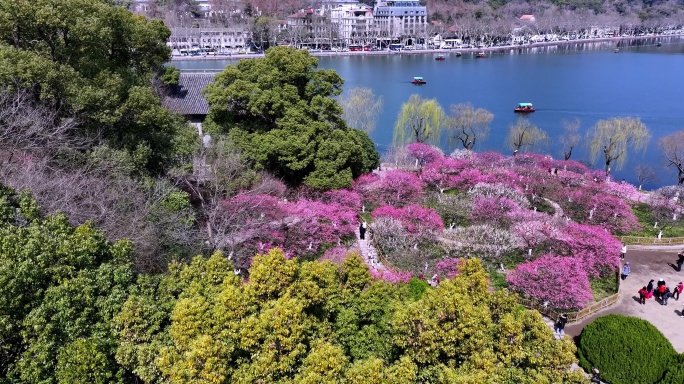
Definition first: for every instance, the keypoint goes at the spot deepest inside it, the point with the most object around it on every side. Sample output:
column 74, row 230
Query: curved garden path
column 648, row 262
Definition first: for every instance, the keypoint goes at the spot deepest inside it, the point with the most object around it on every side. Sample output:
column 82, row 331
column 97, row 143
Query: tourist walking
column 661, row 291
column 680, row 261
column 623, row 252
column 560, row 324
column 666, row 295
column 678, row 290
column 626, row 270
column 362, row 230
column 649, row 288
column 642, row 295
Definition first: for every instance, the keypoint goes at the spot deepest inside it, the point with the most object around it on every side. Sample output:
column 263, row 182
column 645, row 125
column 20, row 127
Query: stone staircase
column 369, row 254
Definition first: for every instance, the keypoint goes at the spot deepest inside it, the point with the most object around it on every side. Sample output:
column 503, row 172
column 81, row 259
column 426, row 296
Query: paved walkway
column 647, row 263
column 369, row 254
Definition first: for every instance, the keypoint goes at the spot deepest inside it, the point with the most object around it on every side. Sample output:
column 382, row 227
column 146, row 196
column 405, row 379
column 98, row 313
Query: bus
column 356, row 48
column 396, row 47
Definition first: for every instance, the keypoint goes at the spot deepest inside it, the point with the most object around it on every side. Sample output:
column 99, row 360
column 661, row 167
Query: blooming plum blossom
column 391, row 276
column 424, row 153
column 485, row 241
column 561, row 281
column 415, row 218
column 448, row 268
column 336, row 255
column 343, row 197
column 509, row 192
column 442, row 174
column 400, row 188
column 489, row 158
column 462, row 154
column 495, row 210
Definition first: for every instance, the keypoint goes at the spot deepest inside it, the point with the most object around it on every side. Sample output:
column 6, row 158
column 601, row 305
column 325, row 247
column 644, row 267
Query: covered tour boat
column 458, row 54
column 440, row 58
column 524, row 108
column 480, row 55
column 418, row 80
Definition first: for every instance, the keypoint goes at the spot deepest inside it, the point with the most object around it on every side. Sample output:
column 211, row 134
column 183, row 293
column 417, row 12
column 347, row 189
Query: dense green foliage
column 279, row 110
column 626, row 350
column 60, row 288
column 320, row 322
column 73, row 311
column 94, row 62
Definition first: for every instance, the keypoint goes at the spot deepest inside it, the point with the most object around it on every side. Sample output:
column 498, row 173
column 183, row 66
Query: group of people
column 661, row 292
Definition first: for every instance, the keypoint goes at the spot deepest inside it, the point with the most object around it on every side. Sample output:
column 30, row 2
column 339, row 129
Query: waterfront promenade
column 496, row 49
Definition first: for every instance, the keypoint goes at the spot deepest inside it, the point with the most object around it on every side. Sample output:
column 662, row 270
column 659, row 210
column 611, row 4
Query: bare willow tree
column 361, row 108
column 673, row 150
column 468, row 125
column 123, row 208
column 29, row 127
column 420, row 120
column 524, row 135
column 645, row 174
column 613, row 137
column 570, row 137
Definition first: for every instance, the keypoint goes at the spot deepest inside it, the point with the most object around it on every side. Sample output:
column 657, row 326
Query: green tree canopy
column 60, row 288
column 313, row 322
column 94, row 62
column 279, row 110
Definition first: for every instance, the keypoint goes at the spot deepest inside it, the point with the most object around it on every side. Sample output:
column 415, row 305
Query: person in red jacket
column 642, row 295
column 678, row 290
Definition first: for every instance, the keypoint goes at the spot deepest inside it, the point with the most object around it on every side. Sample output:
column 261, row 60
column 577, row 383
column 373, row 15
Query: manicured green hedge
column 675, row 373
column 626, row 350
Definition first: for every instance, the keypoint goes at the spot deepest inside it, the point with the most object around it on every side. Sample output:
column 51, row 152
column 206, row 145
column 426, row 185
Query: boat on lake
column 418, row 80
column 458, row 54
column 617, row 50
column 659, row 44
column 440, row 58
column 480, row 55
column 524, row 108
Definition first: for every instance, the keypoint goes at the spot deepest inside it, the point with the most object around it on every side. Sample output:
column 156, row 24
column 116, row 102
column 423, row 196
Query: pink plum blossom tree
column 559, row 281
column 424, row 154
column 415, row 218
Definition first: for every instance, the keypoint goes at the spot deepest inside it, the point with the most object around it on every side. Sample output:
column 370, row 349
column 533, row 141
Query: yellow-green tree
column 420, row 120
column 317, row 322
column 613, row 137
column 524, row 135
column 361, row 108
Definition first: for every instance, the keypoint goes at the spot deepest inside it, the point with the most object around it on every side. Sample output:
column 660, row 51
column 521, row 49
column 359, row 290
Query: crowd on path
column 660, row 291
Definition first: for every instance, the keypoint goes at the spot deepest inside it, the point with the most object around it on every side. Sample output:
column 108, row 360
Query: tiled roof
column 187, row 98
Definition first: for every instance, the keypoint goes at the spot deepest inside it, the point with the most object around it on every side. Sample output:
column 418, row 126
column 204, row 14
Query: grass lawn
column 643, row 213
column 603, row 287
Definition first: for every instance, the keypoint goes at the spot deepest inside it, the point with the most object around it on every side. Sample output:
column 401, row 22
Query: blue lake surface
column 587, row 81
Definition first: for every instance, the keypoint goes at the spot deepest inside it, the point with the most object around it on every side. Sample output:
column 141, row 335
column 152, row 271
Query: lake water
column 587, row 81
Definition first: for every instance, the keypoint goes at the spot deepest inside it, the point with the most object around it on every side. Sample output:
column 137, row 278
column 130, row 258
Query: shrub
column 675, row 373
column 626, row 350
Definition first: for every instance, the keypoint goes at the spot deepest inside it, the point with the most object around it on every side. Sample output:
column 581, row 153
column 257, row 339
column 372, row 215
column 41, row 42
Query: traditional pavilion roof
column 186, row 98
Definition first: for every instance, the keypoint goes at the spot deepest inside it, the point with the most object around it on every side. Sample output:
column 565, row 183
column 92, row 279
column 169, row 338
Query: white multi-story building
column 400, row 19
column 354, row 22
column 222, row 40
column 143, row 6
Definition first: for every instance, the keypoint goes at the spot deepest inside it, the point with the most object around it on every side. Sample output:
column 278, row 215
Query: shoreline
column 500, row 49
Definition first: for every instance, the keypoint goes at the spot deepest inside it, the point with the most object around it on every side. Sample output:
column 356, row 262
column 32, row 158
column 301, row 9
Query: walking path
column 369, row 253
column 648, row 262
